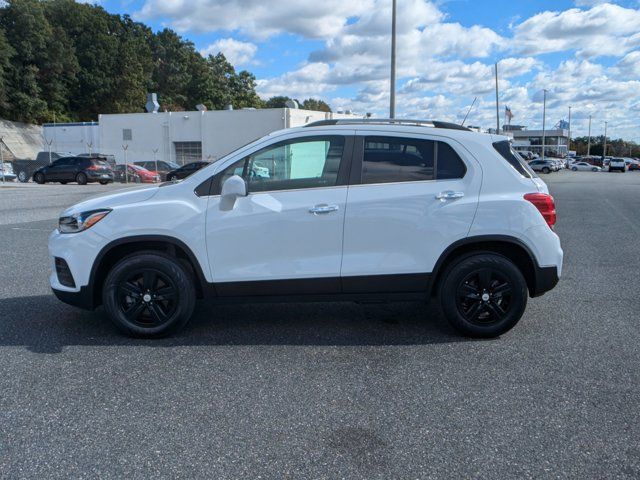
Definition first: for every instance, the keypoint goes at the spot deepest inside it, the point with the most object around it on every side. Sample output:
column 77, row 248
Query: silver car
column 584, row 167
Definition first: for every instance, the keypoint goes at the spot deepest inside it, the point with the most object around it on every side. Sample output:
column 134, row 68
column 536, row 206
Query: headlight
column 79, row 222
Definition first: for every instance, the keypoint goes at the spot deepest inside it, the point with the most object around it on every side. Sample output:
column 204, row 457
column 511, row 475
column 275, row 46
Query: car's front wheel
column 23, row 176
column 483, row 295
column 39, row 178
column 149, row 294
column 575, row 169
column 546, row 170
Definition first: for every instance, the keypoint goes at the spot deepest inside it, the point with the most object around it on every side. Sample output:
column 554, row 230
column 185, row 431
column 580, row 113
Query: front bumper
column 81, row 299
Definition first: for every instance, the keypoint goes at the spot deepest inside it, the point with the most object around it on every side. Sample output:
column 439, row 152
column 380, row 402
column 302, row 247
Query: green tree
column 313, row 104
column 6, row 53
column 278, row 101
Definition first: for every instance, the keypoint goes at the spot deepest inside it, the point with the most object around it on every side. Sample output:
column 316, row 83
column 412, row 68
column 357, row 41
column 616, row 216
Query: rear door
column 411, row 197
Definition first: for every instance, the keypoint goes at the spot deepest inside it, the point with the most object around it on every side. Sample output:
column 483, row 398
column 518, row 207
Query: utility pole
column 569, row 141
column 49, row 142
column 604, row 148
column 392, row 96
column 544, row 119
column 497, row 106
column 589, row 139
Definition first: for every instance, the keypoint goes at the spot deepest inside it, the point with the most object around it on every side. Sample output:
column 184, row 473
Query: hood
column 111, row 200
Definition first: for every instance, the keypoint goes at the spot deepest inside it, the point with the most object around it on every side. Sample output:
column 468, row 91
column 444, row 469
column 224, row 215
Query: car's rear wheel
column 81, row 179
column 149, row 294
column 23, row 176
column 574, row 169
column 483, row 295
column 546, row 170
column 39, row 178
column 594, row 169
column 103, row 182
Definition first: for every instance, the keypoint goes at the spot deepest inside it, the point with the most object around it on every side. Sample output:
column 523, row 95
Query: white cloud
column 256, row 18
column 605, row 29
column 236, row 52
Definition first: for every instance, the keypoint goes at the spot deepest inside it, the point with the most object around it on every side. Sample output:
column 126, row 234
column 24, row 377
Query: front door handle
column 449, row 195
column 323, row 208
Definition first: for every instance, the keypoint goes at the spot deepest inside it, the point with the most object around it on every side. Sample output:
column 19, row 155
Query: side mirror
column 232, row 188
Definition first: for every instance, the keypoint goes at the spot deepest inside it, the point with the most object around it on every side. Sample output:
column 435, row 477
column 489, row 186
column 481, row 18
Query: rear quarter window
column 514, row 159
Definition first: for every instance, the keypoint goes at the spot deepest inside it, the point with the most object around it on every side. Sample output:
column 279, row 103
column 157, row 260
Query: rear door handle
column 323, row 208
column 449, row 195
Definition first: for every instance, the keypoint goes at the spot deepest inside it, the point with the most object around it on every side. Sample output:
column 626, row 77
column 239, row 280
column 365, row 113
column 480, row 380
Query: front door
column 285, row 236
column 412, row 198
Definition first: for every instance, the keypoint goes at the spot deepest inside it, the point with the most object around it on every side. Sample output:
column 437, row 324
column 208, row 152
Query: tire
column 574, row 169
column 483, row 295
column 103, row 182
column 39, row 178
column 81, row 179
column 594, row 169
column 546, row 170
column 23, row 176
column 129, row 289
column 169, row 178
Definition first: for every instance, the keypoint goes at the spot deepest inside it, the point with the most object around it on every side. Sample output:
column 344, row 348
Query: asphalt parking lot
column 330, row 390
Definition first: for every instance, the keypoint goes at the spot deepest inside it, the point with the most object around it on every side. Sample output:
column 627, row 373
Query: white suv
column 336, row 210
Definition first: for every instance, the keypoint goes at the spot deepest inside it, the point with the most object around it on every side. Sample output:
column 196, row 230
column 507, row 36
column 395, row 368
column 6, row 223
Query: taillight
column 545, row 205
column 93, row 167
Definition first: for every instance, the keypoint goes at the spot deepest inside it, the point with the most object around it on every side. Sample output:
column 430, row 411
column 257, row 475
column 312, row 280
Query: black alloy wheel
column 147, row 298
column 39, row 178
column 149, row 294
column 483, row 294
column 484, row 297
column 81, row 179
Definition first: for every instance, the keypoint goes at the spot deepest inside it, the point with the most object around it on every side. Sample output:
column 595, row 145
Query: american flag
column 507, row 113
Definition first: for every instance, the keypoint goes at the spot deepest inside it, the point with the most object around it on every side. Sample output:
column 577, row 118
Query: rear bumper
column 82, row 299
column 546, row 279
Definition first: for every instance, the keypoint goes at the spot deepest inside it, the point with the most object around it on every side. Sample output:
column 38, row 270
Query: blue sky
column 585, row 52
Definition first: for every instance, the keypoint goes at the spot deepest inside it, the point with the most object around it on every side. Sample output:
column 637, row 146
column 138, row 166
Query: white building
column 180, row 137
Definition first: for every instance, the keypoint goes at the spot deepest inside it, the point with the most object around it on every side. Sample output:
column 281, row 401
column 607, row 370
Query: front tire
column 149, row 295
column 483, row 295
column 574, row 169
column 103, row 182
column 23, row 176
column 546, row 170
column 39, row 178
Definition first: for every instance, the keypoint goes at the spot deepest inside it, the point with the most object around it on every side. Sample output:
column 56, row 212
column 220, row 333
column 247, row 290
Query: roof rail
column 387, row 121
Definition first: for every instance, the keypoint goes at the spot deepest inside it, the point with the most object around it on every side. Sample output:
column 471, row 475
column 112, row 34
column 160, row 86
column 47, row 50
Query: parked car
column 412, row 226
column 632, row 164
column 110, row 159
column 163, row 167
column 584, row 167
column 75, row 169
column 135, row 174
column 185, row 170
column 544, row 166
column 6, row 172
column 617, row 164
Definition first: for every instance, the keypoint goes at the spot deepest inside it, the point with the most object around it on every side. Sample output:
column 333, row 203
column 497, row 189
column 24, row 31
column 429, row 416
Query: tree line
column 615, row 148
column 66, row 61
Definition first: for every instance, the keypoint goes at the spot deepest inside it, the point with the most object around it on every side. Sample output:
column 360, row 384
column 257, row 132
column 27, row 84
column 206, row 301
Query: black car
column 185, row 170
column 75, row 169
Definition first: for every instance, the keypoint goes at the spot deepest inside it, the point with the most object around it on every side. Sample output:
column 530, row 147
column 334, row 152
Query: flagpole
column 497, row 105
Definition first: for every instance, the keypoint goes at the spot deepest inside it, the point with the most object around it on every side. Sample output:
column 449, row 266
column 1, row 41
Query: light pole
column 155, row 159
column 392, row 96
column 2, row 158
column 589, row 139
column 126, row 163
column 604, row 148
column 544, row 119
column 569, row 141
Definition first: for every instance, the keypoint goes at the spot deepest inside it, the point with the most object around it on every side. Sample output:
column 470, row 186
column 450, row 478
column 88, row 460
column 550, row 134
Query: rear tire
column 149, row 295
column 546, row 170
column 23, row 176
column 39, row 178
column 483, row 295
column 81, row 179
column 103, row 182
column 574, row 169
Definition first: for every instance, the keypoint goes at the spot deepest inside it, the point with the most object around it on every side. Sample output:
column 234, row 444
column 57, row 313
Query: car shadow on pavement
column 43, row 324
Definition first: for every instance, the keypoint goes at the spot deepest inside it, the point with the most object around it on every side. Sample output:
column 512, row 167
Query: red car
column 136, row 174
